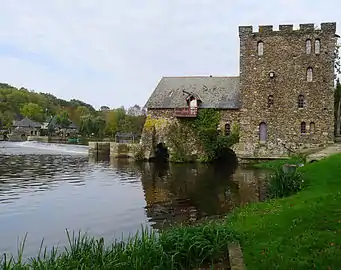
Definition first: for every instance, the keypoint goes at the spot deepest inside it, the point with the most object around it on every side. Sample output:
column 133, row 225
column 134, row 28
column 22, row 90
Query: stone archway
column 161, row 152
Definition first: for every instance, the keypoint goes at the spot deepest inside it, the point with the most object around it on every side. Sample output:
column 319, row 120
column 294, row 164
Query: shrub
column 282, row 184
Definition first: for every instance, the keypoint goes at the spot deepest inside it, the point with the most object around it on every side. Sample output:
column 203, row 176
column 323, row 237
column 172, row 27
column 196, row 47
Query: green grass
column 179, row 248
column 274, row 164
column 298, row 232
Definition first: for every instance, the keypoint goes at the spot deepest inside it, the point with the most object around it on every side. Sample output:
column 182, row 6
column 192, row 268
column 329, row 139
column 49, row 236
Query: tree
column 62, row 119
column 113, row 120
column 33, row 111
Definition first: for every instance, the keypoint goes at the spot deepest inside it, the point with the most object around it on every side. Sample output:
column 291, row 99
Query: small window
column 263, row 132
column 270, row 100
column 309, row 74
column 317, row 46
column 227, row 129
column 308, row 46
column 260, row 48
column 300, row 101
column 303, row 128
column 312, row 128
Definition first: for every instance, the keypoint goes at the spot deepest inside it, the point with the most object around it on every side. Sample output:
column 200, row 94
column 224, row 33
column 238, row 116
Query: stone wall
column 162, row 119
column 285, row 56
column 122, row 150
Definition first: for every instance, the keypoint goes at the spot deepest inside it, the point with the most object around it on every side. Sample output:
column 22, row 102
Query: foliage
column 33, row 111
column 180, row 248
column 92, row 126
column 18, row 103
column 181, row 141
column 206, row 128
column 296, row 232
column 278, row 163
column 283, row 184
column 63, row 120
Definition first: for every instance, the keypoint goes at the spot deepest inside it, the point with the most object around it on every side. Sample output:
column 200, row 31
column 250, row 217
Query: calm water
column 46, row 188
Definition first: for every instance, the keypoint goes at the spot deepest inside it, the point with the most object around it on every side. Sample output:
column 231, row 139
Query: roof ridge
column 203, row 76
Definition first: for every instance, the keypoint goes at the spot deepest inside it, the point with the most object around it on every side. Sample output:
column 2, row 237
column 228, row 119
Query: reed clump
column 179, row 248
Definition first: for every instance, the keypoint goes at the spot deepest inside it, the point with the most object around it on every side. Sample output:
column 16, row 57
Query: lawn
column 299, row 232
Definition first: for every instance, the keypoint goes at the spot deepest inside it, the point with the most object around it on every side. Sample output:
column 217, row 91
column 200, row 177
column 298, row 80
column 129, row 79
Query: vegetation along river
column 47, row 188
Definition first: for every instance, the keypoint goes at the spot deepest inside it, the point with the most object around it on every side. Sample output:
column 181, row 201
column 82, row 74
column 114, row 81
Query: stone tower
column 286, row 83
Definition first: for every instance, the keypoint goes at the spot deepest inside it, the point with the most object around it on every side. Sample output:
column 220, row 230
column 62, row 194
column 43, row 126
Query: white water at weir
column 51, row 148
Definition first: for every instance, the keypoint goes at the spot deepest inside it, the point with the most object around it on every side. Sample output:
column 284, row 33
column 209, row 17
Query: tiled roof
column 214, row 92
column 26, row 122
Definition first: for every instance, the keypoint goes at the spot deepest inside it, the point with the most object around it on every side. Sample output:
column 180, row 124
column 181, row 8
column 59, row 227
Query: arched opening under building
column 227, row 157
column 161, row 153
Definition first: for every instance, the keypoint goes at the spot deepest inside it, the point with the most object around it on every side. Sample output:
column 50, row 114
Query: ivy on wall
column 201, row 134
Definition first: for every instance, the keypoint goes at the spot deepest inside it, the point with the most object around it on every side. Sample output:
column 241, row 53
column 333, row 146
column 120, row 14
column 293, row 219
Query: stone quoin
column 282, row 99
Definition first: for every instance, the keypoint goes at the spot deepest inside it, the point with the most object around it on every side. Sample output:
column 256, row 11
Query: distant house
column 54, row 128
column 26, row 127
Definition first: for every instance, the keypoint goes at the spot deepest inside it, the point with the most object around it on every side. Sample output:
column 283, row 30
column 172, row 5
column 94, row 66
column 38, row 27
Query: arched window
column 270, row 100
column 312, row 127
column 303, row 128
column 300, row 101
column 317, row 46
column 263, row 132
column 308, row 46
column 260, row 48
column 227, row 129
column 309, row 74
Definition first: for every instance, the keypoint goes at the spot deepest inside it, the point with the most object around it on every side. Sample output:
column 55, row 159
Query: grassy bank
column 299, row 232
column 179, row 248
column 273, row 164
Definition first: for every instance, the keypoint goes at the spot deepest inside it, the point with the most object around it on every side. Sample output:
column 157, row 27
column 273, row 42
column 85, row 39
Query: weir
column 112, row 149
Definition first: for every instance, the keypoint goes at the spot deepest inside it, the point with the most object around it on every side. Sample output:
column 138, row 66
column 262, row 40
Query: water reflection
column 44, row 192
column 176, row 193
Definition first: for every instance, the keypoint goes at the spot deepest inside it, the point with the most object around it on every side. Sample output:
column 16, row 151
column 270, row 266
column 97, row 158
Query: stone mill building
column 283, row 98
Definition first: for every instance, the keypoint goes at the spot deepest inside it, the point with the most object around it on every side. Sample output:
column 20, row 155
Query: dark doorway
column 161, row 152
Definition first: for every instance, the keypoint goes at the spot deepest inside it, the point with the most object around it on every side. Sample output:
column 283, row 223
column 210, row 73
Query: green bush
column 283, row 184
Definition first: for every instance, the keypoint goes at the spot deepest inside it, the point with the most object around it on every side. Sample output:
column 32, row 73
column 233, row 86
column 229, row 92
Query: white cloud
column 114, row 52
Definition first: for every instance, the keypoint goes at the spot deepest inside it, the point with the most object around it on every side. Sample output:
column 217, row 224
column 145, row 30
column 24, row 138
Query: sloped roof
column 26, row 122
column 214, row 92
column 53, row 123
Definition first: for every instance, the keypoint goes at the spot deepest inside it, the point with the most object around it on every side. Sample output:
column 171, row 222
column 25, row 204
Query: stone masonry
column 284, row 54
column 286, row 83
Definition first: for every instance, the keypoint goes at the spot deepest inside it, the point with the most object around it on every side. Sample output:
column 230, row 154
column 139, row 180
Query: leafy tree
column 33, row 111
column 62, row 119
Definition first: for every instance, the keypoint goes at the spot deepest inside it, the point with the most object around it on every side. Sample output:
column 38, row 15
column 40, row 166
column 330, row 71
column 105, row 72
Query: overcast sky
column 109, row 52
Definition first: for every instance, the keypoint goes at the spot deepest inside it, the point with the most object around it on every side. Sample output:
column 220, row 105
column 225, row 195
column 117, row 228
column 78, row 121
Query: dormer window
column 260, row 48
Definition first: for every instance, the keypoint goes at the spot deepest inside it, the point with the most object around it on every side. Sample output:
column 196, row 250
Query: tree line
column 18, row 103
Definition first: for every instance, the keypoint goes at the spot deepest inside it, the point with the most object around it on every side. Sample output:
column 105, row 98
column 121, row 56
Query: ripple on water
column 44, row 190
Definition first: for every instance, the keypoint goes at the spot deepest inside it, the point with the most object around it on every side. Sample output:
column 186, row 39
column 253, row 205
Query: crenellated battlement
column 329, row 27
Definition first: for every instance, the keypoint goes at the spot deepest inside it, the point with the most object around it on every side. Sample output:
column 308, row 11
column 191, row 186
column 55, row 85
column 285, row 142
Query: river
column 47, row 188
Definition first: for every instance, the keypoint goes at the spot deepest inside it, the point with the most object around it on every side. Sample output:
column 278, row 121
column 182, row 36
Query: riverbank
column 298, row 232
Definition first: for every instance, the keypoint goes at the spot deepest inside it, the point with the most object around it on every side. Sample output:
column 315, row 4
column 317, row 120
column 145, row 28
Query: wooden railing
column 185, row 112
